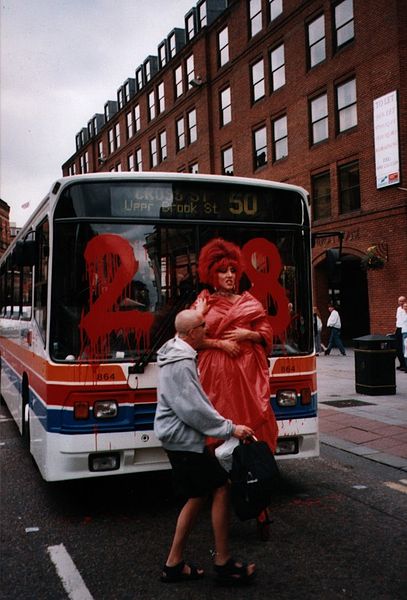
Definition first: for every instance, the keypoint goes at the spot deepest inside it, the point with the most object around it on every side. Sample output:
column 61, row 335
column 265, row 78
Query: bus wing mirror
column 25, row 253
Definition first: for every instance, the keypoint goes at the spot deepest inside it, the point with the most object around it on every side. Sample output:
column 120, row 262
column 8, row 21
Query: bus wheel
column 25, row 415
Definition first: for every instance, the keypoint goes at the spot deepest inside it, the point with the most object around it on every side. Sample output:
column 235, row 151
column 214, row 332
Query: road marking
column 400, row 487
column 71, row 578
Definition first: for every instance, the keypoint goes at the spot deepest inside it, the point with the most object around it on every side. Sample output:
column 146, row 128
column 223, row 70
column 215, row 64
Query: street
column 338, row 531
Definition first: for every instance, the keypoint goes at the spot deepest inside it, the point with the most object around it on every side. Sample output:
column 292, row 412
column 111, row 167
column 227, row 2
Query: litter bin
column 375, row 373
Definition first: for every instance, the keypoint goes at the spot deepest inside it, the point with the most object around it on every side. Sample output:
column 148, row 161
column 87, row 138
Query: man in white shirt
column 400, row 314
column 334, row 322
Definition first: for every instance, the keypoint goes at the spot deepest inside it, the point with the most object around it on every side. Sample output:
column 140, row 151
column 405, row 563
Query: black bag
column 253, row 477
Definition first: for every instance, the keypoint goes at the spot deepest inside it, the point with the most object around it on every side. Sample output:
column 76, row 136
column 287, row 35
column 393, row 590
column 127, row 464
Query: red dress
column 239, row 387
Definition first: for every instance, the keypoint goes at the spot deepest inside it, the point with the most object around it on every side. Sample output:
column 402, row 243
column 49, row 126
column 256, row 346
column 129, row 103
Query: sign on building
column 386, row 140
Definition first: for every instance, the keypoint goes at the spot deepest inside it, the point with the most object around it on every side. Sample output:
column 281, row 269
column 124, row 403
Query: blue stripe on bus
column 138, row 417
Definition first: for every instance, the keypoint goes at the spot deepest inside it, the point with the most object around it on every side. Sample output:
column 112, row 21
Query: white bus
column 89, row 292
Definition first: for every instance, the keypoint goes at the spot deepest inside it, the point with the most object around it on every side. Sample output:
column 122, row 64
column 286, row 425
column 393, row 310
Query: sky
column 61, row 60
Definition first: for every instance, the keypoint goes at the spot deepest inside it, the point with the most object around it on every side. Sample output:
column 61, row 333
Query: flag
column 25, row 205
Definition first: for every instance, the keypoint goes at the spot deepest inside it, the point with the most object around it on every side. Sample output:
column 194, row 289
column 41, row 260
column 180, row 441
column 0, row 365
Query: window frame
column 277, row 141
column 223, row 48
column 348, row 192
column 347, row 108
column 342, row 25
column 225, row 109
column 318, row 118
column 312, row 45
column 259, row 150
column 275, row 72
column 322, row 205
column 255, row 18
column 227, row 169
column 259, row 83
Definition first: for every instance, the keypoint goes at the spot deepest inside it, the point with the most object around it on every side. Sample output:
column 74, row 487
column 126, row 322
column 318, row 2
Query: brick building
column 5, row 226
column 310, row 92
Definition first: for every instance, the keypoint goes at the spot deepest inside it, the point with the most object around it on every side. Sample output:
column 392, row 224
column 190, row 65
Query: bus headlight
column 105, row 409
column 286, row 398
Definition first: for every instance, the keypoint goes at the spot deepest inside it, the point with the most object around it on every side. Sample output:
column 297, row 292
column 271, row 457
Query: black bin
column 375, row 373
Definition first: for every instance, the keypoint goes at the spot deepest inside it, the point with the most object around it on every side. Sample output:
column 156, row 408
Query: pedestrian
column 317, row 329
column 334, row 322
column 184, row 418
column 398, row 333
column 404, row 334
column 233, row 364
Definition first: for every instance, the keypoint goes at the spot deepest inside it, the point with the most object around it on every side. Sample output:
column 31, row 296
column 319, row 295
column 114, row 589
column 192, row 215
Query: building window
column 172, row 45
column 344, row 23
column 137, row 117
column 260, row 147
column 277, row 67
column 130, row 163
column 161, row 97
column 179, row 84
column 127, row 92
column 190, row 70
column 346, row 103
column 100, row 152
column 118, row 167
column 316, row 41
column 193, row 168
column 202, row 15
column 227, row 161
column 225, row 107
column 349, row 187
column 275, row 9
column 223, row 45
column 258, row 88
column 110, row 136
column 82, row 164
column 280, row 138
column 153, row 153
column 117, row 135
column 151, row 105
column 129, row 125
column 180, row 128
column 319, row 118
column 120, row 98
column 192, row 128
column 162, row 55
column 255, row 17
column 139, row 78
column 86, row 162
column 163, row 145
column 139, row 160
column 321, row 195
column 190, row 26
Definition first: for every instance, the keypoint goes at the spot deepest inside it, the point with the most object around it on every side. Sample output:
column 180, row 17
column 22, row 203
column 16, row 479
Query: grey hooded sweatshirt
column 184, row 415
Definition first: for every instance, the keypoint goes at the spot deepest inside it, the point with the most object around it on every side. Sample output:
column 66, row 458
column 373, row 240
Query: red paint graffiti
column 111, row 266
column 263, row 268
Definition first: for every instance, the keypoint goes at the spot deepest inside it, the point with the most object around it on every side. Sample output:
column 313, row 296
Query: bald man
column 184, row 418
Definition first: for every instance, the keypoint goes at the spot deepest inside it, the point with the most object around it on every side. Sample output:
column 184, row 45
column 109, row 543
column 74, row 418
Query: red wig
column 219, row 254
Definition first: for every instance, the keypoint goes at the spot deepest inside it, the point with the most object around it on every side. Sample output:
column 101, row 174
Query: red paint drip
column 111, row 266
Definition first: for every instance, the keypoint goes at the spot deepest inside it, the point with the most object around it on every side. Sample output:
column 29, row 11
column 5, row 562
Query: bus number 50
column 243, row 205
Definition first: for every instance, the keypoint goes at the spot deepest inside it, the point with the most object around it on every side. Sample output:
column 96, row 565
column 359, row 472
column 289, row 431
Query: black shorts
column 196, row 474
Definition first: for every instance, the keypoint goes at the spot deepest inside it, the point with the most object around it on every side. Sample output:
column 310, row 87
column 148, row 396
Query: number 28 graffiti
column 111, row 266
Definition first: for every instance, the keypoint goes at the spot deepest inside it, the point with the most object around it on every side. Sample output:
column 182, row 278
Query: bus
column 89, row 291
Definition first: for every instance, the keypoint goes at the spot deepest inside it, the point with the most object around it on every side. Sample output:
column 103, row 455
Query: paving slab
column 367, row 425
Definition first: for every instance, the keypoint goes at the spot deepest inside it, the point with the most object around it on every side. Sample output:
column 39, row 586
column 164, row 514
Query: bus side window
column 41, row 277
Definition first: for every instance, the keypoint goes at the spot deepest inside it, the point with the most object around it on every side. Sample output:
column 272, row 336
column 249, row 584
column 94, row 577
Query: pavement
column 374, row 427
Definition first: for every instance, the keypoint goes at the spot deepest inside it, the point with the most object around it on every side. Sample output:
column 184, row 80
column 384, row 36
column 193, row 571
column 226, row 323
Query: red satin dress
column 239, row 387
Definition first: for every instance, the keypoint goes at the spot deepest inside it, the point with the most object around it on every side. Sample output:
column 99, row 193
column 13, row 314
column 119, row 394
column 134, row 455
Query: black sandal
column 233, row 573
column 176, row 573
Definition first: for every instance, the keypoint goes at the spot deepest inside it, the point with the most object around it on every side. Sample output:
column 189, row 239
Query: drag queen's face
column 227, row 279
